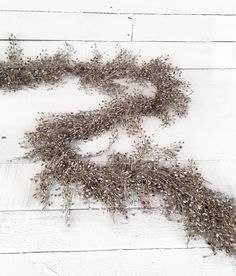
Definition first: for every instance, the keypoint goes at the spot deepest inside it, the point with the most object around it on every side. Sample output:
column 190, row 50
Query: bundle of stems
column 145, row 172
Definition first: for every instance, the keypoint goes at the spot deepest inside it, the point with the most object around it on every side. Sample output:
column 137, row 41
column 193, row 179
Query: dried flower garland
column 142, row 174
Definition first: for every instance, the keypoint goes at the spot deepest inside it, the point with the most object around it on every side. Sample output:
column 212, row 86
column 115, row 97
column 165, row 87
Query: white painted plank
column 59, row 26
column 208, row 135
column 38, row 231
column 205, row 135
column 184, row 55
column 131, row 263
column 16, row 188
column 184, row 28
column 109, row 27
column 131, row 6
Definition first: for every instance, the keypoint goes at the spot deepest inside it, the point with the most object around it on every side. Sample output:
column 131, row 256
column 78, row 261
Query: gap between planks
column 117, row 13
column 162, row 262
column 200, row 7
column 117, row 27
column 118, row 41
column 105, row 250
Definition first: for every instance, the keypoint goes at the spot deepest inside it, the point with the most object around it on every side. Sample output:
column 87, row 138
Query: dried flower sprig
column 19, row 72
column 205, row 213
column 142, row 174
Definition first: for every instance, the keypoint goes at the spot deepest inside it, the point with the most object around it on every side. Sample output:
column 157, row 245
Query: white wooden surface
column 199, row 37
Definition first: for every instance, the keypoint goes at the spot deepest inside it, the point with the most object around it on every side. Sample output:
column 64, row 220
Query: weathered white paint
column 33, row 231
column 115, row 27
column 57, row 26
column 169, row 262
column 102, row 245
column 124, row 6
column 184, row 28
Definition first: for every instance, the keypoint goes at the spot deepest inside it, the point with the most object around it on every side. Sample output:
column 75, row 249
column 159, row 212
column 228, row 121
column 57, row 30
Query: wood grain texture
column 170, row 262
column 124, row 6
column 117, row 27
column 184, row 28
column 39, row 26
column 35, row 243
column 38, row 231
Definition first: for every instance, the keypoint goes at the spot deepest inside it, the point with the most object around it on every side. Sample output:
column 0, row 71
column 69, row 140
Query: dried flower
column 147, row 171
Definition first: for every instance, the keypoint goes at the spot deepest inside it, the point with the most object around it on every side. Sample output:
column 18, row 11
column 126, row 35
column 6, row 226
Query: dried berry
column 147, row 171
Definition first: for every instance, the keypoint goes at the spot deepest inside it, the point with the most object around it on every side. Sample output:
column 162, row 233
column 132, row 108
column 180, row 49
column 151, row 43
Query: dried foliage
column 19, row 72
column 147, row 171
